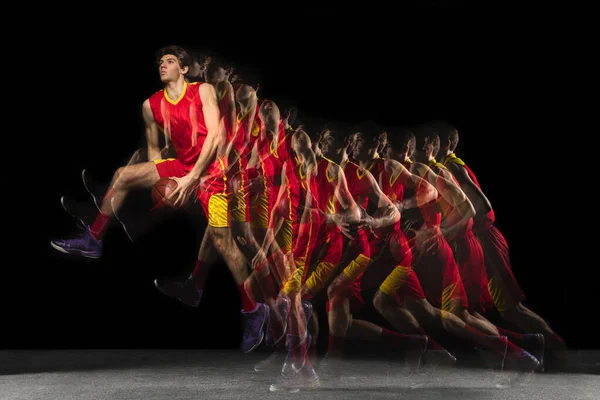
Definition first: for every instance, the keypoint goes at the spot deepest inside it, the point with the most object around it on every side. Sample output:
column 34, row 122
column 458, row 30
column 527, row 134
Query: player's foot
column 519, row 368
column 273, row 362
column 296, row 355
column 254, row 327
column 304, row 379
column 438, row 358
column 414, row 357
column 184, row 291
column 277, row 322
column 83, row 212
column 96, row 190
column 494, row 357
column 83, row 244
column 535, row 344
column 521, row 361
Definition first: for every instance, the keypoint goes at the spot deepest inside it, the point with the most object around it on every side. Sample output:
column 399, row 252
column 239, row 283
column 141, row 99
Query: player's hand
column 425, row 239
column 259, row 259
column 185, row 187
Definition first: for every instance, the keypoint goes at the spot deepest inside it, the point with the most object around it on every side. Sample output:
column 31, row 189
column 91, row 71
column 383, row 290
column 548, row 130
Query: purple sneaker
column 84, row 245
column 254, row 327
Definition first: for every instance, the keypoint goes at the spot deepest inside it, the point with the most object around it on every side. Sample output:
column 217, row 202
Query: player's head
column 173, row 63
column 427, row 143
column 216, row 71
column 244, row 93
column 400, row 145
column 366, row 139
column 302, row 146
column 335, row 138
column 269, row 114
column 448, row 136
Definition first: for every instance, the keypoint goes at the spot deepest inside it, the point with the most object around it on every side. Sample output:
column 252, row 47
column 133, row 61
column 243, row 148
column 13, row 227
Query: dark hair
column 401, row 138
column 339, row 130
column 427, row 134
column 184, row 58
column 447, row 131
column 370, row 131
column 214, row 64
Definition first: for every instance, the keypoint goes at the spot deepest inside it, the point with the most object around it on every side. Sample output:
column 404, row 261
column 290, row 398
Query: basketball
column 161, row 190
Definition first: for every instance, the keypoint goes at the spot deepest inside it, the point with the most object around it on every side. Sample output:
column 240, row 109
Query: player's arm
column 387, row 213
column 424, row 191
column 463, row 210
column 348, row 211
column 210, row 110
column 225, row 90
column 152, row 132
column 480, row 202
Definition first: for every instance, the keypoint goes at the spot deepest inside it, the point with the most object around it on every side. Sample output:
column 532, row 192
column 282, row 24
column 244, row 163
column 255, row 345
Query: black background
column 480, row 68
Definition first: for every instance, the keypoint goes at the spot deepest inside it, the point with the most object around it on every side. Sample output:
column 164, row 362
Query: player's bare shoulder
column 393, row 167
column 334, row 171
column 419, row 168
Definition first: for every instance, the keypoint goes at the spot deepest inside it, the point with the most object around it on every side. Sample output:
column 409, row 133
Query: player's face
column 300, row 147
column 358, row 145
column 169, row 69
column 269, row 112
column 327, row 143
column 422, row 154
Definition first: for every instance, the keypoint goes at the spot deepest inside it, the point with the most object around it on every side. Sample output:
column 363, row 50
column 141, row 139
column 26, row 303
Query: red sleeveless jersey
column 182, row 120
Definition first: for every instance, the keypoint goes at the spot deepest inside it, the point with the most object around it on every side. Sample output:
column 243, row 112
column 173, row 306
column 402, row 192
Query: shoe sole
column 78, row 253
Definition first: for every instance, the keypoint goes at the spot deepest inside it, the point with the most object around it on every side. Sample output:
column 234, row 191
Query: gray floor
column 202, row 374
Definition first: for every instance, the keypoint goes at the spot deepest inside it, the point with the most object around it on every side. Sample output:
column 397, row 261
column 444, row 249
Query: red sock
column 99, row 225
column 200, row 274
column 265, row 282
column 248, row 304
column 336, row 345
column 513, row 336
column 492, row 341
column 395, row 339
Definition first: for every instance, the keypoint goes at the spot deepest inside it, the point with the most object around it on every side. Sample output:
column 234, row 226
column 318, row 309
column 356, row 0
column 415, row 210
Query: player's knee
column 336, row 290
column 381, row 302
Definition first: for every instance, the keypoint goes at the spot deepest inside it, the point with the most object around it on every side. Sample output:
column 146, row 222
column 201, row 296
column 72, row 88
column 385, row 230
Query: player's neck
column 339, row 157
column 366, row 160
column 174, row 89
column 446, row 153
